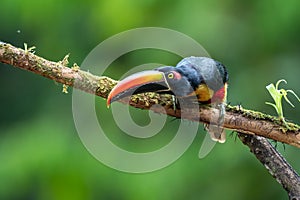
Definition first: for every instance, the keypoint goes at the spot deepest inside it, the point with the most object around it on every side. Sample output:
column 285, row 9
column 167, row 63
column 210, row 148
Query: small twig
column 277, row 166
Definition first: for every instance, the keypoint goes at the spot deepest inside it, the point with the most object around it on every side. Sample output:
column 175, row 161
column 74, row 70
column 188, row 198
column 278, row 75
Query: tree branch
column 249, row 124
column 236, row 118
column 277, row 166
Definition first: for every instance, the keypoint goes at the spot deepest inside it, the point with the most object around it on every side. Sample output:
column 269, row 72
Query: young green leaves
column 277, row 95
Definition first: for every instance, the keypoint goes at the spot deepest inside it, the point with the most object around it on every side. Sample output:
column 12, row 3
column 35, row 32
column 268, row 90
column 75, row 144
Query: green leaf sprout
column 277, row 95
column 28, row 50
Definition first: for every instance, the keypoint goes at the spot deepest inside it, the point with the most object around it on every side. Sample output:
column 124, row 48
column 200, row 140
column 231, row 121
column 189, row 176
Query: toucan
column 202, row 77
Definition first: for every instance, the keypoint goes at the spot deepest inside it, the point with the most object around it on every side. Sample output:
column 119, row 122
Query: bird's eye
column 170, row 75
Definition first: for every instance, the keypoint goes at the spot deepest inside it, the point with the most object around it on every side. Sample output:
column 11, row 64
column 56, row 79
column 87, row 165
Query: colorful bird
column 202, row 77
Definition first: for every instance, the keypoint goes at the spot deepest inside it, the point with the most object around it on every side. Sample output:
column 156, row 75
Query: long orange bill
column 146, row 81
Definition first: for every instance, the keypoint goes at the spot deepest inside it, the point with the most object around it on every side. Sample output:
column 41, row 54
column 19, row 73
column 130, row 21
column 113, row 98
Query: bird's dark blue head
column 181, row 81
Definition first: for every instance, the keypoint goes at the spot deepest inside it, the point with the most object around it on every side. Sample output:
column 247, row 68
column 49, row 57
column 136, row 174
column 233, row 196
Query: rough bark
column 277, row 166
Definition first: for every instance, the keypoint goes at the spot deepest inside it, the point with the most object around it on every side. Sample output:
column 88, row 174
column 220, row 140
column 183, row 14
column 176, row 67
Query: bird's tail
column 216, row 133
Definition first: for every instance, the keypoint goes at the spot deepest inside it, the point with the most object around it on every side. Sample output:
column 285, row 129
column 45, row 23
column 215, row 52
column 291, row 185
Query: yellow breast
column 204, row 93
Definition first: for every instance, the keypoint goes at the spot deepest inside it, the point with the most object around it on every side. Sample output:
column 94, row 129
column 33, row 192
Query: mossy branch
column 236, row 118
column 249, row 124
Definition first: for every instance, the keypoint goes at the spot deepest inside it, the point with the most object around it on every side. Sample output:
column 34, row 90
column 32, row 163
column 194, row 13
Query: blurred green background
column 41, row 154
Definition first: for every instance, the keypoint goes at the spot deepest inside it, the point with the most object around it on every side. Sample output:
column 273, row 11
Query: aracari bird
column 202, row 77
